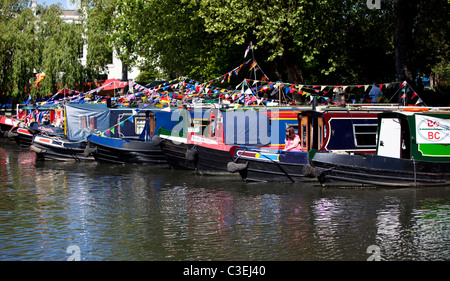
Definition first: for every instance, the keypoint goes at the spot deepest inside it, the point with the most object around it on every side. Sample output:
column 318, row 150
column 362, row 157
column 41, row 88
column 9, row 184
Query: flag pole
column 253, row 58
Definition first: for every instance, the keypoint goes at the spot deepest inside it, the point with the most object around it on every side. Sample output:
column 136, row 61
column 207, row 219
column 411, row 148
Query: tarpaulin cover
column 83, row 119
column 246, row 128
column 47, row 129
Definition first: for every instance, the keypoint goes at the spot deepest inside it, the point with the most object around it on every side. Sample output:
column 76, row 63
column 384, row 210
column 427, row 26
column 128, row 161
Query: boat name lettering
column 200, row 139
column 432, row 130
column 44, row 129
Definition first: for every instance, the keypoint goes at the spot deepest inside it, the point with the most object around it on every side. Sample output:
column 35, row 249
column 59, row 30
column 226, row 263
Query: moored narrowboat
column 333, row 131
column 412, row 150
column 6, row 124
column 212, row 134
column 58, row 148
column 69, row 143
column 136, row 150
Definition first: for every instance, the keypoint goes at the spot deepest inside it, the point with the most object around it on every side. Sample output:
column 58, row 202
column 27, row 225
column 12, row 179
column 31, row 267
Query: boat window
column 304, row 137
column 139, row 124
column 88, row 123
column 365, row 134
column 295, row 126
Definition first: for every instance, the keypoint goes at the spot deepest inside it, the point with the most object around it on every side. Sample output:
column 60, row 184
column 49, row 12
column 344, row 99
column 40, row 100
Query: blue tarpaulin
column 84, row 119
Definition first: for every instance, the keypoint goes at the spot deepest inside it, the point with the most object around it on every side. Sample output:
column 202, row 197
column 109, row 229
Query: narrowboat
column 332, row 130
column 131, row 149
column 260, row 127
column 23, row 136
column 413, row 149
column 173, row 143
column 213, row 133
column 6, row 124
column 69, row 144
column 38, row 121
column 58, row 148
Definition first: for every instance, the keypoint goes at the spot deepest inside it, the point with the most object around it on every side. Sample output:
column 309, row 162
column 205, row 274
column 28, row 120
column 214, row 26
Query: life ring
column 415, row 109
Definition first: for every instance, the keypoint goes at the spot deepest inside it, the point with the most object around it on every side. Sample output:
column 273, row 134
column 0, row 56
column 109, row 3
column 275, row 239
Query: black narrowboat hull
column 254, row 166
column 133, row 152
column 175, row 154
column 48, row 148
column 4, row 129
column 372, row 171
column 211, row 161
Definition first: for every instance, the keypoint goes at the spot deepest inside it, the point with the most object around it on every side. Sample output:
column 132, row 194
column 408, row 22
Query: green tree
column 19, row 51
column 38, row 43
column 61, row 46
column 174, row 39
column 304, row 40
column 113, row 26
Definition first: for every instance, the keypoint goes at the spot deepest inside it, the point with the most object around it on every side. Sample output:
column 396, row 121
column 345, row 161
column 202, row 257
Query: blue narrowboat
column 132, row 144
column 332, row 131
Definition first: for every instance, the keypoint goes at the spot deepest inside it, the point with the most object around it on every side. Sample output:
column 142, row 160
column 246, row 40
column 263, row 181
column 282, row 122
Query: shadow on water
column 144, row 212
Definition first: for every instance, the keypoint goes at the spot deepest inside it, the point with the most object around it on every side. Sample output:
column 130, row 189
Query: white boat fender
column 233, row 167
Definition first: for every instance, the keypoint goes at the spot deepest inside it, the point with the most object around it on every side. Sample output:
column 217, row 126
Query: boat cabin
column 421, row 136
column 339, row 130
column 242, row 127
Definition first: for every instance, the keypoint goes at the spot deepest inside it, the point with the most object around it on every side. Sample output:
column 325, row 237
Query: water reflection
column 131, row 212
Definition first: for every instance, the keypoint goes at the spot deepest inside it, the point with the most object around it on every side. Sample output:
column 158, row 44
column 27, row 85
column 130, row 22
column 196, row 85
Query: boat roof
column 441, row 113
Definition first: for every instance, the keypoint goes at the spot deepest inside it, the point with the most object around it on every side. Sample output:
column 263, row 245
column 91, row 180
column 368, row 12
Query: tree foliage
column 32, row 44
column 302, row 41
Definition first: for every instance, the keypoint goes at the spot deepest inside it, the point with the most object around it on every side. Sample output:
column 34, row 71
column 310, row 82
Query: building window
column 80, row 51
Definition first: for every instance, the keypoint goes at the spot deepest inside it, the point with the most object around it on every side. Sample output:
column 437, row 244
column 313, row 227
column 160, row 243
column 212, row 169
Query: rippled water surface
column 131, row 212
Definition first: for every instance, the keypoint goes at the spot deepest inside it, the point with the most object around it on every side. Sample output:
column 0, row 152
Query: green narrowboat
column 413, row 149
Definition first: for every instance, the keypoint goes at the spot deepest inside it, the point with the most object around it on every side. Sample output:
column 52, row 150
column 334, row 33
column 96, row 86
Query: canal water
column 97, row 212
